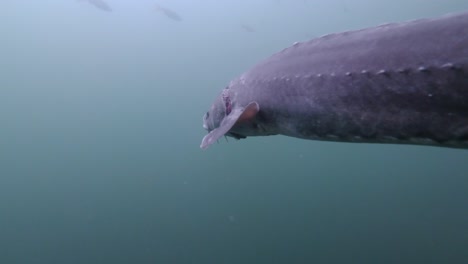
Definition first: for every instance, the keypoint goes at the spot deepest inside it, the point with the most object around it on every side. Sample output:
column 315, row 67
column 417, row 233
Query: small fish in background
column 345, row 7
column 169, row 13
column 100, row 4
column 247, row 28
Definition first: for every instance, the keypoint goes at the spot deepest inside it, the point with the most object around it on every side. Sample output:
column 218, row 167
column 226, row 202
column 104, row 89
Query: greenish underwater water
column 100, row 126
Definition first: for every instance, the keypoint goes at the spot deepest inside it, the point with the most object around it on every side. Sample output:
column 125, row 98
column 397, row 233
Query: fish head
column 213, row 117
column 228, row 119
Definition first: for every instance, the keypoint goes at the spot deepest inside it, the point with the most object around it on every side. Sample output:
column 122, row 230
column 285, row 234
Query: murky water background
column 100, row 123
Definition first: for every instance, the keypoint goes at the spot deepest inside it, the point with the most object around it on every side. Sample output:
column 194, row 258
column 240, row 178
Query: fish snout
column 205, row 120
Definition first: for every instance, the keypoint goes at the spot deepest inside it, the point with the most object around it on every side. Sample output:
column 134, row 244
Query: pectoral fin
column 237, row 115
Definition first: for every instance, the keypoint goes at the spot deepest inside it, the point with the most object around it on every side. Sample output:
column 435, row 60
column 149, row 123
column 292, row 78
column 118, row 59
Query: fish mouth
column 205, row 119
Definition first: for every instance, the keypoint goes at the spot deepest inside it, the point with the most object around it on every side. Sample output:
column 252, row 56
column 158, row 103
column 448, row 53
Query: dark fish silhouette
column 169, row 13
column 247, row 28
column 402, row 83
column 100, row 4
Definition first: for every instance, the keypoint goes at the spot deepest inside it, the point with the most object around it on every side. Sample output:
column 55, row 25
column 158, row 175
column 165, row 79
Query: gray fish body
column 403, row 83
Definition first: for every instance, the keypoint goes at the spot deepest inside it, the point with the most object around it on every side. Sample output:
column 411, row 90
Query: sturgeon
column 400, row 83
